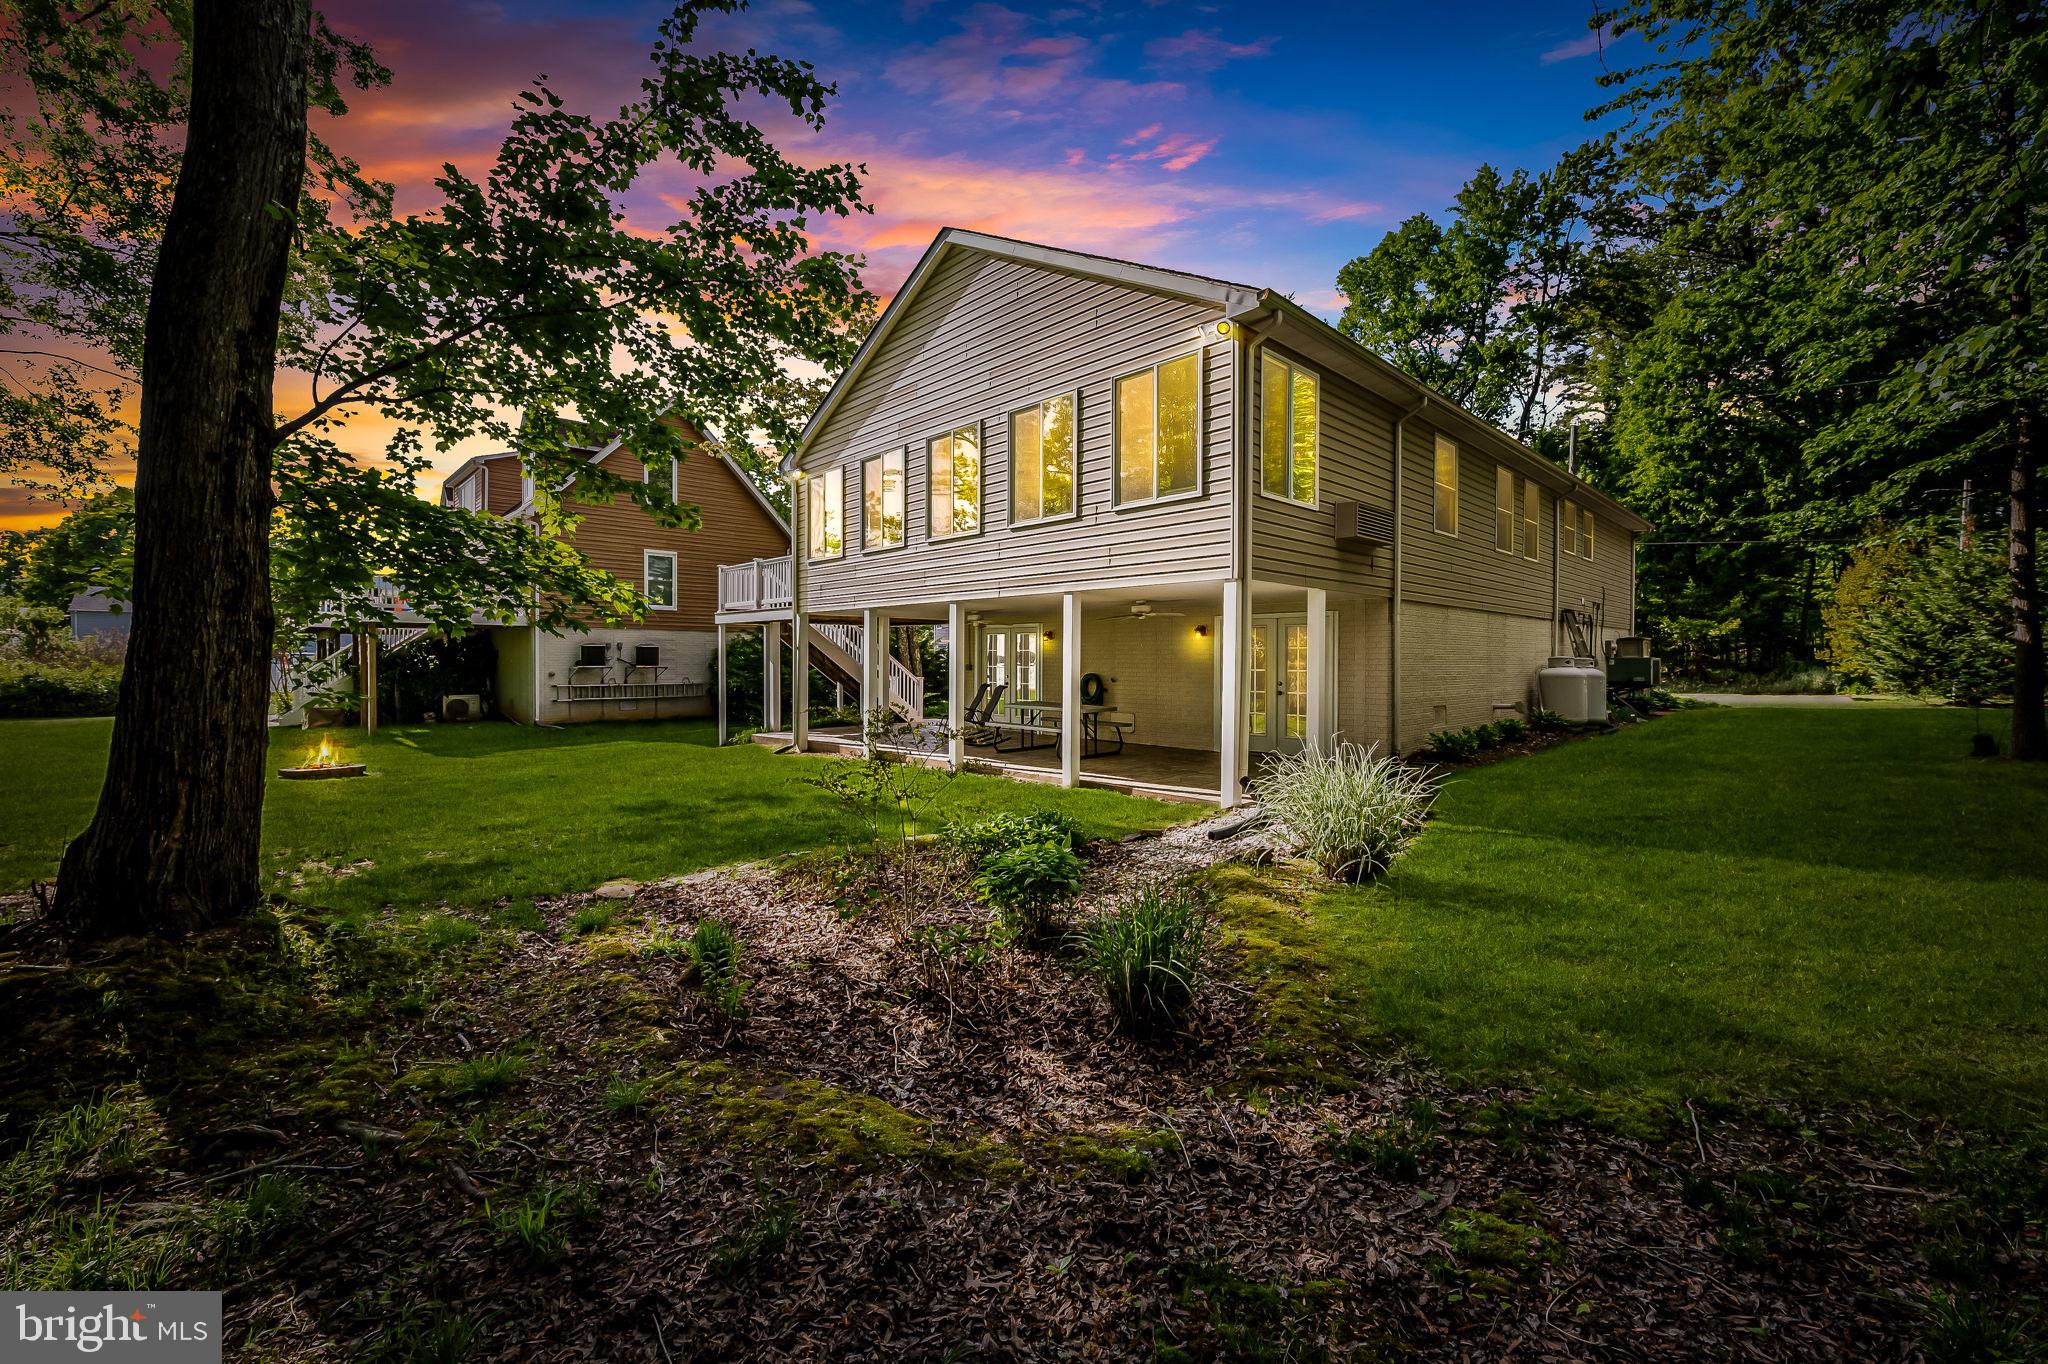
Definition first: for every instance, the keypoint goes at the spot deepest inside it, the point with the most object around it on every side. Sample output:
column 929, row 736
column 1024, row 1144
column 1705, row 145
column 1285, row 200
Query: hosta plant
column 1350, row 810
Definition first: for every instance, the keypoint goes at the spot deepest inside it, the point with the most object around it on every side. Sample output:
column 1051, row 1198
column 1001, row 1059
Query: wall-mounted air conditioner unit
column 1361, row 526
column 466, row 707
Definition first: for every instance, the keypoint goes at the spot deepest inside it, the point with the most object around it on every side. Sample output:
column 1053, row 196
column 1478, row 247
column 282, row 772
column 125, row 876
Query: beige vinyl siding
column 984, row 337
column 1466, row 570
column 1609, row 579
column 1294, row 543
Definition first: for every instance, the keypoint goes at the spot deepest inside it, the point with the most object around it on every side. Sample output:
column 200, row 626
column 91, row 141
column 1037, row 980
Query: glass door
column 1010, row 657
column 1277, row 717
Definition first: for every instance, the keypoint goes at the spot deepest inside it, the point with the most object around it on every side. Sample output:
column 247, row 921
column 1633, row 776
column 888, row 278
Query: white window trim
column 1116, row 435
column 647, row 557
column 1587, row 524
column 980, row 496
column 1289, row 498
column 1436, row 493
column 1010, row 438
column 1570, row 517
column 1531, row 525
column 903, row 488
column 818, row 481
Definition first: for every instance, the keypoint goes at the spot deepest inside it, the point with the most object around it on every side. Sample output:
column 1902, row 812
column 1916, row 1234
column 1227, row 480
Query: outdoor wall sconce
column 1048, row 636
column 1201, row 632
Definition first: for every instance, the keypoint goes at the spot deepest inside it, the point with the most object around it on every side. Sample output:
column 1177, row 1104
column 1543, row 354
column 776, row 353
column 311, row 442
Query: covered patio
column 1127, row 688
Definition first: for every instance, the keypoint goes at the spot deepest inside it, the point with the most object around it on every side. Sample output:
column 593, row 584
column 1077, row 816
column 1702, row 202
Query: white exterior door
column 1010, row 656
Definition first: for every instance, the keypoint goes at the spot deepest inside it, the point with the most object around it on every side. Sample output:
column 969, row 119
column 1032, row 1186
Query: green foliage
column 627, row 1097
column 1485, row 1240
column 482, row 1076
column 1866, row 587
column 34, row 690
column 1146, row 952
column 1350, row 810
column 90, row 550
column 430, row 1333
column 715, row 951
column 1252, row 1320
column 662, row 943
column 592, row 919
column 762, row 1235
column 1024, row 883
column 1510, row 729
column 1453, row 745
column 537, row 1227
column 1547, row 721
column 1946, row 633
column 1013, row 828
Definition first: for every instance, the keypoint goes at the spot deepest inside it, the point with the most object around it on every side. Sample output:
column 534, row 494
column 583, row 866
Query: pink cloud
column 1586, row 46
column 1200, row 50
column 999, row 63
column 1175, row 152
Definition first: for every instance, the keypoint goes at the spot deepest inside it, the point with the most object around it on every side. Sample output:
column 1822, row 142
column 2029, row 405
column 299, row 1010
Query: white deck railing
column 760, row 585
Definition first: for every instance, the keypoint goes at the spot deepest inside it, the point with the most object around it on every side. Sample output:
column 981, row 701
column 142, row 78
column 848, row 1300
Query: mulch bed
column 1244, row 1223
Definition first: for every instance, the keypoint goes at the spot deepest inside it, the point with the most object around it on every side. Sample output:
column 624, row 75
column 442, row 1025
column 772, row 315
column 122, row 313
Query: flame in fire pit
column 325, row 757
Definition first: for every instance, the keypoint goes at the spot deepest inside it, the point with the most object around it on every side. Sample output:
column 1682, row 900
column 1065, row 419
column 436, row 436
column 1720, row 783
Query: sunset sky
column 1264, row 143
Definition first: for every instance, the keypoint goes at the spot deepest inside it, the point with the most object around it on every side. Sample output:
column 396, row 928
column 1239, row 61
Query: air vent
column 1361, row 526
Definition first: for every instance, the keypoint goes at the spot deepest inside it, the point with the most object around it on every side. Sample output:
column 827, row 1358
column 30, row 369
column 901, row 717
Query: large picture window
column 825, row 513
column 658, row 578
column 1446, row 486
column 881, row 501
column 1158, row 431
column 954, row 464
column 1289, row 429
column 1043, row 442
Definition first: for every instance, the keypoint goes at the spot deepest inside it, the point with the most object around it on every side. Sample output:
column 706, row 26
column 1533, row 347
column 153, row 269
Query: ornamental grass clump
column 1147, row 952
column 1350, row 811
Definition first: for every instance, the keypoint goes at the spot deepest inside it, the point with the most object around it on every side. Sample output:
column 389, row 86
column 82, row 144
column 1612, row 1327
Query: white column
column 1235, row 682
column 874, row 669
column 1070, row 690
column 800, row 684
column 718, row 671
column 1319, row 707
column 771, row 675
column 956, row 685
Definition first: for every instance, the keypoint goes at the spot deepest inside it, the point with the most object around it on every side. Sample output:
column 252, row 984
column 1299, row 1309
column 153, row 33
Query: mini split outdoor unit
column 466, row 707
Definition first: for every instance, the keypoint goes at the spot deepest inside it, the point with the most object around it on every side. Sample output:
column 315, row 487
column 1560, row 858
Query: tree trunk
column 173, row 846
column 2029, row 726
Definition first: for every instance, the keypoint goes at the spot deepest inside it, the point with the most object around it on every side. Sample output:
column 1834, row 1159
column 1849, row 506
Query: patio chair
column 974, row 706
column 979, row 731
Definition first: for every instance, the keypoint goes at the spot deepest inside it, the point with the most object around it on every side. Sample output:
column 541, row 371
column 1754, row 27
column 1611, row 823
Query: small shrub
column 1547, row 721
column 1452, row 745
column 1511, row 729
column 1025, row 882
column 35, row 690
column 715, row 950
column 1350, row 811
column 999, row 833
column 1486, row 736
column 1147, row 952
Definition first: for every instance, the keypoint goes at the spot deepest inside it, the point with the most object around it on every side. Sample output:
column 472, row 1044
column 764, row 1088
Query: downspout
column 1394, row 596
column 1556, row 569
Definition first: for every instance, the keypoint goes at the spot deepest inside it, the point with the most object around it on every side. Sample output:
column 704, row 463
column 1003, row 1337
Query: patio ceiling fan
column 1144, row 610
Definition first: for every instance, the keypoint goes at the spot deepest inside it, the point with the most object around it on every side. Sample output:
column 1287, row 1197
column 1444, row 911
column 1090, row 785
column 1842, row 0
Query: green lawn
column 471, row 814
column 1837, row 903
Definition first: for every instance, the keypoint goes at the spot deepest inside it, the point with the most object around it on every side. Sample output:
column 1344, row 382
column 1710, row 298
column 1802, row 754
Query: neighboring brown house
column 665, row 664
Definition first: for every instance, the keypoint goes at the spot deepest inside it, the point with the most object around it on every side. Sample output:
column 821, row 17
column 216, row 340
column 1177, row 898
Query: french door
column 1009, row 655
column 1278, row 705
